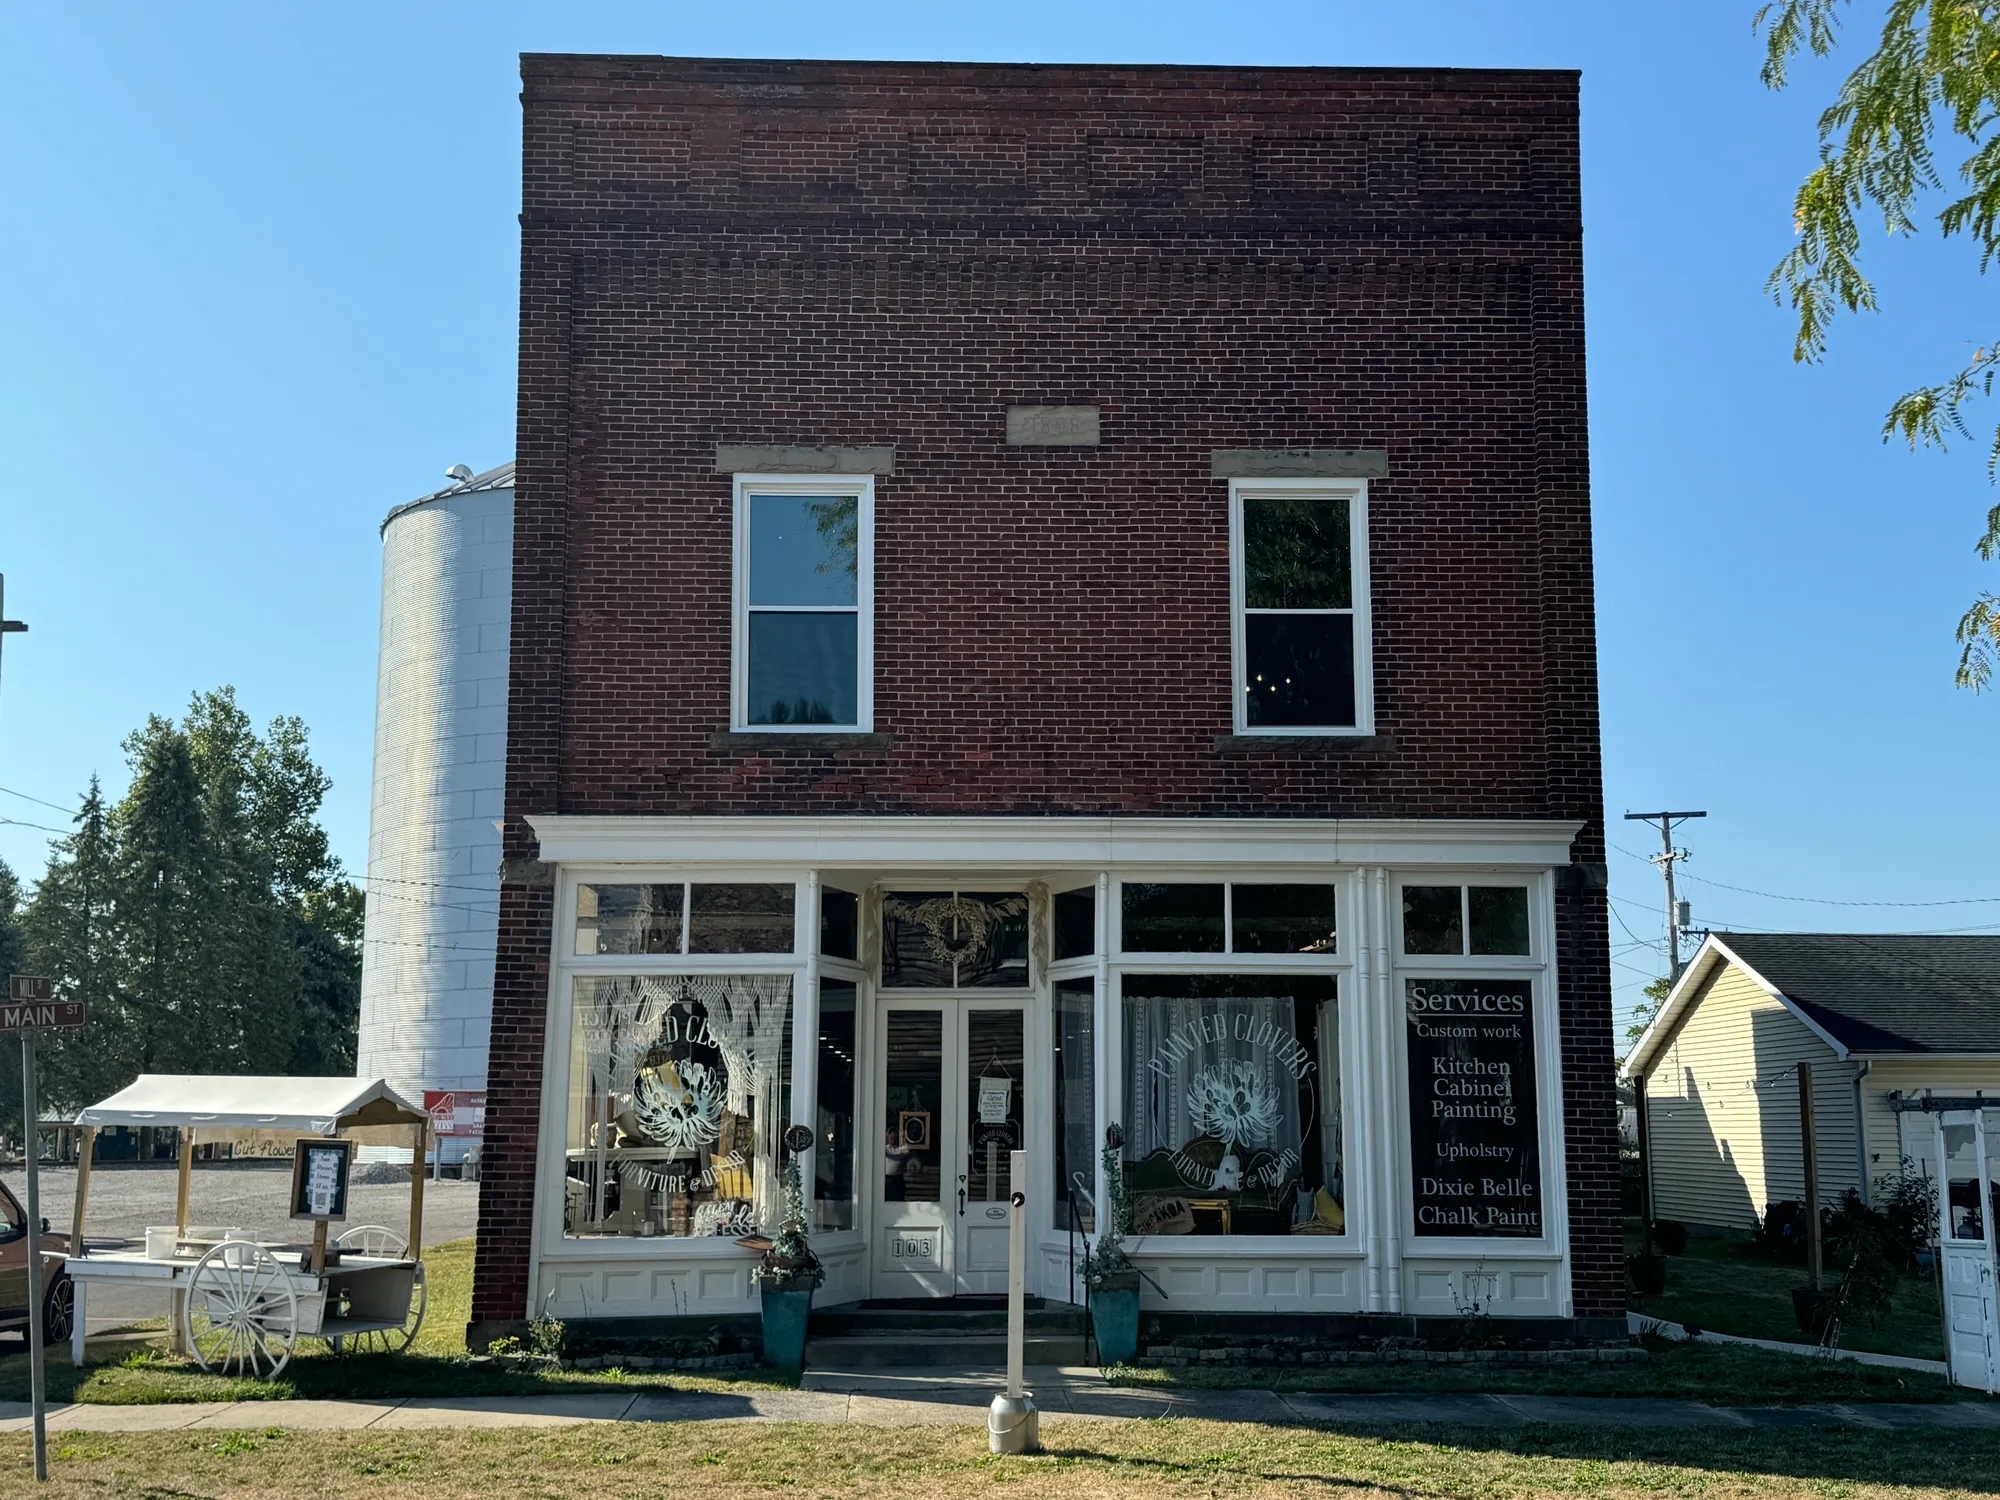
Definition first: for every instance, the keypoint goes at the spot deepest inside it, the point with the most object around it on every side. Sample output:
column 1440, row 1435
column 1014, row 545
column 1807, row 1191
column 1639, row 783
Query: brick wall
column 858, row 254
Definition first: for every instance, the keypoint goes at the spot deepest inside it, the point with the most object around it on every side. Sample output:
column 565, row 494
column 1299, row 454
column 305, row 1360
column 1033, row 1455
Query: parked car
column 58, row 1296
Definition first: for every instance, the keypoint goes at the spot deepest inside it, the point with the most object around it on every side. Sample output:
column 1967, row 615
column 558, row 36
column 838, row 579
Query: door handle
column 961, row 1195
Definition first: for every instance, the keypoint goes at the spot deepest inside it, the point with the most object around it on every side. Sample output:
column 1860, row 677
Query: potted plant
column 1108, row 1271
column 787, row 1273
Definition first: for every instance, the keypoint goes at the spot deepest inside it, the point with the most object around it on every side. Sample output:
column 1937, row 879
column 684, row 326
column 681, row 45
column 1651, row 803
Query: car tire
column 59, row 1310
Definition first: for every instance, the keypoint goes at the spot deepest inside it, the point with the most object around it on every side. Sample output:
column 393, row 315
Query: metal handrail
column 1076, row 1231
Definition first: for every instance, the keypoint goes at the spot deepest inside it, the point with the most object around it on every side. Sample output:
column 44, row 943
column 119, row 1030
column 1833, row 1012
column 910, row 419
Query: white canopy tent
column 219, row 1108
column 296, row 1106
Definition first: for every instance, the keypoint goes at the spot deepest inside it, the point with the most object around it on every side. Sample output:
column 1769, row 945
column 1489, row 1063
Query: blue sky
column 257, row 285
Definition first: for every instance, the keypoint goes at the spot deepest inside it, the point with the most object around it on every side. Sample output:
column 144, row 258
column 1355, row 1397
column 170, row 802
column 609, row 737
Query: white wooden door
column 993, row 1064
column 918, row 1084
column 1966, row 1244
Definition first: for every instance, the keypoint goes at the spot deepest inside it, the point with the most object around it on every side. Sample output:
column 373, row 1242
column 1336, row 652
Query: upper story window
column 1299, row 585
column 804, row 603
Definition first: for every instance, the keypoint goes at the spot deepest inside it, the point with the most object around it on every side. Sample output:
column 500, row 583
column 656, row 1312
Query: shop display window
column 677, row 1088
column 839, row 923
column 833, row 1151
column 683, row 918
column 1158, row 917
column 1074, row 1083
column 1232, row 1090
column 629, row 918
column 1479, row 920
column 741, row 918
column 954, row 940
column 1075, row 923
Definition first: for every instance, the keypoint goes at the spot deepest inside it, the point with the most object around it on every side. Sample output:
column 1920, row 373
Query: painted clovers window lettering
column 1233, row 1091
column 954, row 940
column 677, row 1086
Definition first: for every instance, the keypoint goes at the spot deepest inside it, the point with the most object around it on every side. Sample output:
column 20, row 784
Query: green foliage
column 202, row 919
column 1106, row 1265
column 1642, row 1014
column 791, row 1264
column 1935, row 72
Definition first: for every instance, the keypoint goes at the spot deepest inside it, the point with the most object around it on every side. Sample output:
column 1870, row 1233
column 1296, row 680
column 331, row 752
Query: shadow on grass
column 1407, row 1458
column 1696, row 1371
column 152, row 1376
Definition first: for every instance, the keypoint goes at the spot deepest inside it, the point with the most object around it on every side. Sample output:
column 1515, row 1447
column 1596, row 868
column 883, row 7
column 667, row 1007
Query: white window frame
column 1355, row 493
column 862, row 487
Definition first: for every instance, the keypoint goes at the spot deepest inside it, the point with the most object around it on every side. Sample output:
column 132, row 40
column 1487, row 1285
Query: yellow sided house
column 1892, row 1026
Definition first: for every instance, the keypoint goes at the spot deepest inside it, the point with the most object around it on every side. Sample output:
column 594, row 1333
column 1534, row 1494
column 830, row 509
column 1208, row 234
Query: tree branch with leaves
column 1934, row 77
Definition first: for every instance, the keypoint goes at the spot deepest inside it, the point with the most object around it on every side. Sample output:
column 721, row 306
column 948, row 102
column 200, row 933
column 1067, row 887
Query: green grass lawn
column 1085, row 1460
column 1732, row 1286
column 437, row 1366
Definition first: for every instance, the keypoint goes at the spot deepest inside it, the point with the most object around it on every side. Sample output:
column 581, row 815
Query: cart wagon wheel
column 373, row 1239
column 242, row 1315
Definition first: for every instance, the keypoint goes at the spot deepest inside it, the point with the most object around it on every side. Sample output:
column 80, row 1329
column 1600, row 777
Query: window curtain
column 746, row 1017
column 1206, row 1067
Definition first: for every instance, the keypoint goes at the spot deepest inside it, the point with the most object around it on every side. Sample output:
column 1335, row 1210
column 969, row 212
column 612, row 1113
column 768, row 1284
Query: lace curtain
column 1211, row 1067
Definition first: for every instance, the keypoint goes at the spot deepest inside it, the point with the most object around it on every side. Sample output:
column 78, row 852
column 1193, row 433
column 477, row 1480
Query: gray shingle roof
column 1885, row 992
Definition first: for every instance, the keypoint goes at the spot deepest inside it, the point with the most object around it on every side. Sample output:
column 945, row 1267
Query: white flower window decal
column 680, row 1104
column 1230, row 1101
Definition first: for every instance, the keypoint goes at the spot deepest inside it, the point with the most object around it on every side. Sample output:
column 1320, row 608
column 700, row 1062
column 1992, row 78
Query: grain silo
column 440, row 775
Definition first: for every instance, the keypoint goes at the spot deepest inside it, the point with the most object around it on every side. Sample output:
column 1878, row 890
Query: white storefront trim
column 1379, row 1265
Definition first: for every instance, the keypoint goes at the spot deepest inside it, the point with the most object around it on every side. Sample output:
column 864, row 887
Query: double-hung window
column 804, row 601
column 1299, row 591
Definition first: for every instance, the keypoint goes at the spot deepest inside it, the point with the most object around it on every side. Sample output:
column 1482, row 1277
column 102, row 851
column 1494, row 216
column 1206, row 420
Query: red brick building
column 1051, row 597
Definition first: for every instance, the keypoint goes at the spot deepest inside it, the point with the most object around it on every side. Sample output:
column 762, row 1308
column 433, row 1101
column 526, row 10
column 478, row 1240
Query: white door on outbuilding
column 1966, row 1243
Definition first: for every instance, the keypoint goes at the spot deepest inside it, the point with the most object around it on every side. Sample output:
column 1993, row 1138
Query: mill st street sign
column 32, row 1006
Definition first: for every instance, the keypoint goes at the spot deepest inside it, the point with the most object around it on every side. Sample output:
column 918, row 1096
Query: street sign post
column 31, row 1009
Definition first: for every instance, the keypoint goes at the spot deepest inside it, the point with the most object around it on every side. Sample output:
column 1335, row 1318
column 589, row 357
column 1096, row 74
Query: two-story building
column 1048, row 598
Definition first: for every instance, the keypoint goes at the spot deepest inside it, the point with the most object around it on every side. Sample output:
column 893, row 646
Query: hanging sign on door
column 996, row 1097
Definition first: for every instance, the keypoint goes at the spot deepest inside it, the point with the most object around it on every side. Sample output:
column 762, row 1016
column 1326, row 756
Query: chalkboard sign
column 1475, row 1154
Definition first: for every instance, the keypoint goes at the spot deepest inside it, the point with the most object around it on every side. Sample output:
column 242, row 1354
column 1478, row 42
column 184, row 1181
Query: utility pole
column 1666, row 859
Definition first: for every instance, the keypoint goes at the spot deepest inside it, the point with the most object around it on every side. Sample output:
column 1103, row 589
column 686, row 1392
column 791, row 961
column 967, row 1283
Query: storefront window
column 740, row 918
column 839, row 923
column 677, row 1087
column 1074, row 1077
column 1481, row 920
column 628, row 918
column 1076, row 923
column 833, row 1153
column 954, row 940
column 1162, row 918
column 1475, row 1146
column 1232, row 1089
column 913, row 1104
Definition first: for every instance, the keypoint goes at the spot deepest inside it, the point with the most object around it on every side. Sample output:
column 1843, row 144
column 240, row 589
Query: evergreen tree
column 69, row 926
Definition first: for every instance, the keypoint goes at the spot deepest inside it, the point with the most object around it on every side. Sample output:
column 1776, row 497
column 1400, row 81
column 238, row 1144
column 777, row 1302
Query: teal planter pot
column 785, row 1317
column 1114, row 1318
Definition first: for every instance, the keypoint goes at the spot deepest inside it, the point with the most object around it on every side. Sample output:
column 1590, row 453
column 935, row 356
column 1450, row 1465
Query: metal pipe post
column 1012, row 1423
column 38, row 1394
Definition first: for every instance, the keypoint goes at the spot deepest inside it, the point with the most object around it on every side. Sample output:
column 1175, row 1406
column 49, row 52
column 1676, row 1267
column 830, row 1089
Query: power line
column 37, row 800
column 1744, row 890
column 21, row 823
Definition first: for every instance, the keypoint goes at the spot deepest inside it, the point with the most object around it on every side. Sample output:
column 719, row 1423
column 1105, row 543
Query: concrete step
column 861, row 1322
column 930, row 1351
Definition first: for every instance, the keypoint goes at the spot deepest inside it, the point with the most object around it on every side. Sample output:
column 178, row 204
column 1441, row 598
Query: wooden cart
column 239, row 1306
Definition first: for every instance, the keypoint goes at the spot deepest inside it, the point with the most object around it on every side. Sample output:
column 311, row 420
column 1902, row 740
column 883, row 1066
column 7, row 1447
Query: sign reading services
column 1475, row 1155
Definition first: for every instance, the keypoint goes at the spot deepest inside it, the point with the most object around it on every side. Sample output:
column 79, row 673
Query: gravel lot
column 125, row 1198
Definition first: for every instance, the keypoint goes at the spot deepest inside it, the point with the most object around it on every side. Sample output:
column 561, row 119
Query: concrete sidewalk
column 901, row 1398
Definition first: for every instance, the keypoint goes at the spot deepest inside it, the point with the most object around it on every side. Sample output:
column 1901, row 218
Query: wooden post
column 1812, row 1174
column 416, row 1251
column 1645, row 1130
column 186, row 1173
column 86, row 1149
column 319, row 1247
column 178, row 1297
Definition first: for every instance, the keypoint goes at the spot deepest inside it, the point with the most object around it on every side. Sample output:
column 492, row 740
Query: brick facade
column 891, row 254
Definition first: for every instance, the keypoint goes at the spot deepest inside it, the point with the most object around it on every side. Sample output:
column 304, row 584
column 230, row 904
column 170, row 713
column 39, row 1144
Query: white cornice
column 1054, row 843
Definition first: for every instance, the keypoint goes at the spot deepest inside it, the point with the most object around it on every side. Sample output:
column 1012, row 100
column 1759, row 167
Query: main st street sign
column 32, row 1006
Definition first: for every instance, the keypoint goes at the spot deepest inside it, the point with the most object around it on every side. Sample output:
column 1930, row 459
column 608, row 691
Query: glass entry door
column 952, row 1085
